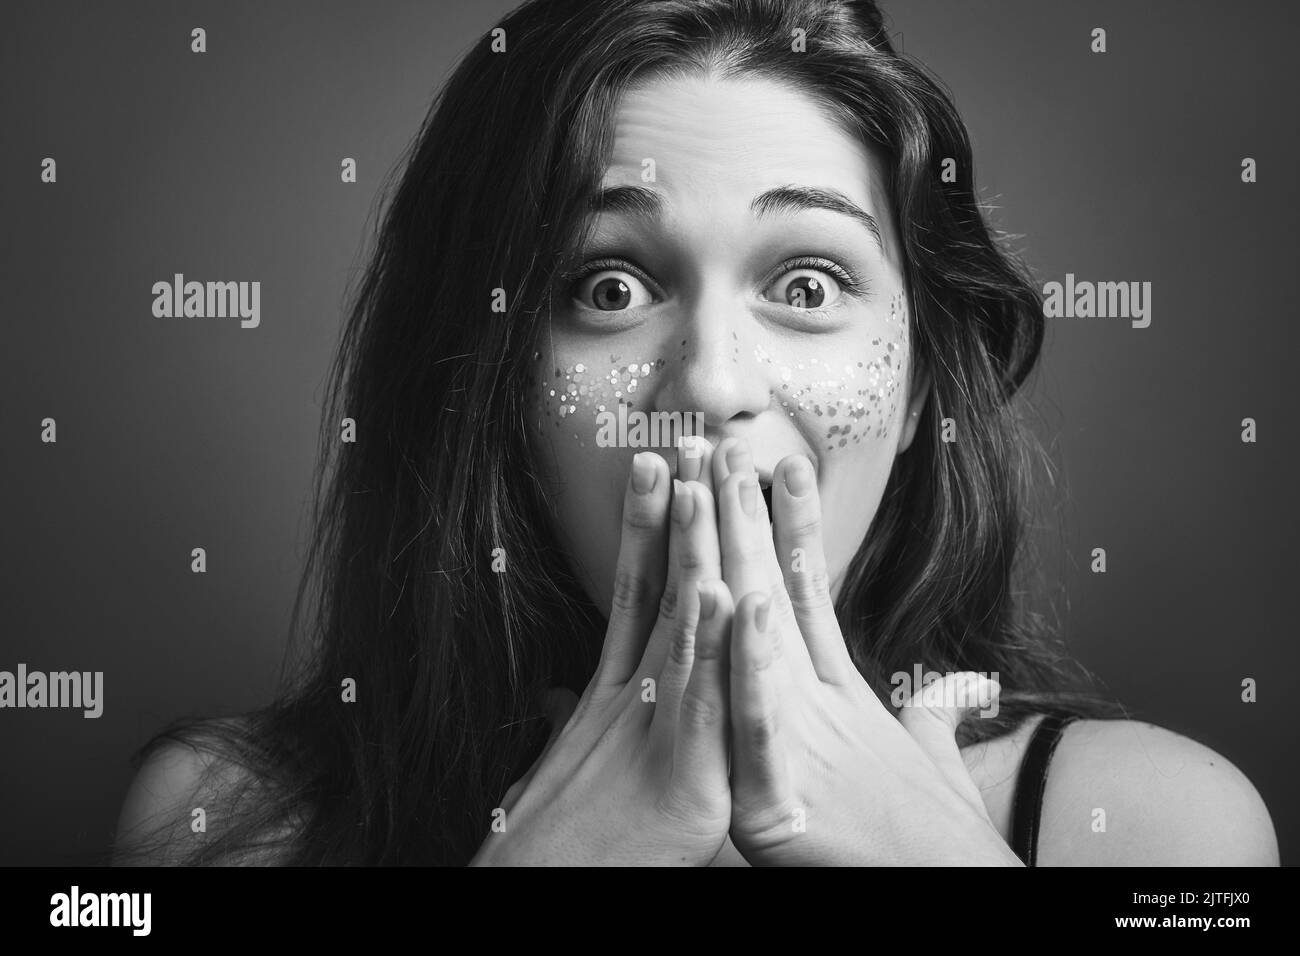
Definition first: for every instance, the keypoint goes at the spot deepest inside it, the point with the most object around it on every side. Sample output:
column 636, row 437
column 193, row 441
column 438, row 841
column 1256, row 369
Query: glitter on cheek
column 858, row 398
column 572, row 396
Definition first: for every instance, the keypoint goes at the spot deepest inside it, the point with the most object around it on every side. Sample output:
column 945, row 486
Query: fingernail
column 708, row 600
column 683, row 503
column 739, row 457
column 799, row 477
column 749, row 496
column 760, row 615
column 644, row 474
column 689, row 459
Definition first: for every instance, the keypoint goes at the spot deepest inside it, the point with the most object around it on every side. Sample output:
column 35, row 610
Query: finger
column 931, row 717
column 757, row 757
column 560, row 705
column 731, row 455
column 695, row 460
column 694, row 557
column 639, row 575
column 700, row 742
column 749, row 564
column 797, row 529
column 734, row 455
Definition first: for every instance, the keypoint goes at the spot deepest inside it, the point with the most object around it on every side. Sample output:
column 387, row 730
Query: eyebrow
column 647, row 204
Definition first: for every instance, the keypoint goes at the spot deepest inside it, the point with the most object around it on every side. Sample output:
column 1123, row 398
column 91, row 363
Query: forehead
column 713, row 139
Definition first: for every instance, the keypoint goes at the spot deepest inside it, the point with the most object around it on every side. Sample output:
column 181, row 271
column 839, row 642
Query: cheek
column 847, row 395
column 572, row 387
column 846, row 390
column 569, row 389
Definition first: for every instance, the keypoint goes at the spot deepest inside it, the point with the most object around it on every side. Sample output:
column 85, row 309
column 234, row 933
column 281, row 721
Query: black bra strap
column 1031, row 784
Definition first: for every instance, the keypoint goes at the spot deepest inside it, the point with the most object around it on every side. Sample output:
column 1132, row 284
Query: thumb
column 931, row 716
column 558, row 706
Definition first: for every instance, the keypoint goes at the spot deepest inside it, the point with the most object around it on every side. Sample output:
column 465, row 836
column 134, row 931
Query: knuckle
column 689, row 557
column 631, row 591
column 640, row 518
column 668, row 603
column 809, row 590
column 681, row 649
column 763, row 728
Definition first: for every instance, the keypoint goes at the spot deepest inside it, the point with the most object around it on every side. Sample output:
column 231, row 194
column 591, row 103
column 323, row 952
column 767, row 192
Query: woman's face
column 747, row 272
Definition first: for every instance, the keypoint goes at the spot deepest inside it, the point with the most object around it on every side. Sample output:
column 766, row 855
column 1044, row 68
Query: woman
column 731, row 211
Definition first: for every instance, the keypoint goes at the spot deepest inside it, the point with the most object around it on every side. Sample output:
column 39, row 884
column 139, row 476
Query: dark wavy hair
column 450, row 659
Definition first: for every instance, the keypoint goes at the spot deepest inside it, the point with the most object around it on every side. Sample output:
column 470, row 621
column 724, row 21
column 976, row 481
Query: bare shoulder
column 158, row 822
column 1129, row 793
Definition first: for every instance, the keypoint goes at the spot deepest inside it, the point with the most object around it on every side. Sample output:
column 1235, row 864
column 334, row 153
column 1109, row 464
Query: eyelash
column 850, row 281
column 571, row 279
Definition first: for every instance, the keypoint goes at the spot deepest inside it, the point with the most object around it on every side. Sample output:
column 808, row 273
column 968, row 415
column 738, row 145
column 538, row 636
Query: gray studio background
column 225, row 166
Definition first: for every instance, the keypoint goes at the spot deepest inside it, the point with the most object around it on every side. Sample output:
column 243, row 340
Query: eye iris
column 805, row 292
column 611, row 294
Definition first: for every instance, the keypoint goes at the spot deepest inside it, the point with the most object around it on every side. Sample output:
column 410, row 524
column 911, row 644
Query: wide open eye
column 806, row 289
column 610, row 289
column 811, row 283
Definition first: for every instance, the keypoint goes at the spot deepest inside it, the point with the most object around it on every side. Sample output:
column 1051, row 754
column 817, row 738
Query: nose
column 713, row 372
